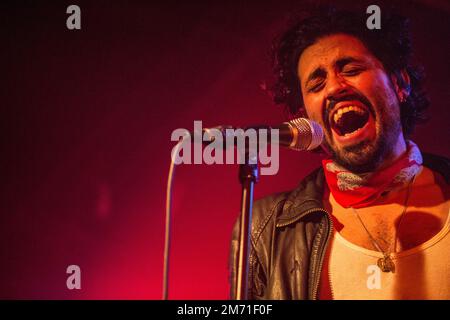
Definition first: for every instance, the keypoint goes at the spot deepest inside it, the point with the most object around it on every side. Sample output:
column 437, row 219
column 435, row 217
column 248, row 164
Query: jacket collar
column 307, row 197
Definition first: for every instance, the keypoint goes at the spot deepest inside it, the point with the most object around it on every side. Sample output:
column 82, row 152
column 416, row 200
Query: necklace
column 385, row 263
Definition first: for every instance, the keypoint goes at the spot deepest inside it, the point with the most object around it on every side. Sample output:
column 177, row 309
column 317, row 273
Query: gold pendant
column 386, row 264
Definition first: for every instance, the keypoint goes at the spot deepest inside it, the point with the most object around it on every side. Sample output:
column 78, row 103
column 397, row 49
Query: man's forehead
column 329, row 49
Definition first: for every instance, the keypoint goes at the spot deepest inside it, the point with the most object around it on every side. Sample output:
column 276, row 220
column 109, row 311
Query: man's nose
column 336, row 87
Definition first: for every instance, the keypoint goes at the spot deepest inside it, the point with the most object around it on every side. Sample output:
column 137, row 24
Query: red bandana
column 359, row 190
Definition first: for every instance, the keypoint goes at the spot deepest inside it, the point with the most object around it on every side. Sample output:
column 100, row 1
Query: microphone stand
column 248, row 176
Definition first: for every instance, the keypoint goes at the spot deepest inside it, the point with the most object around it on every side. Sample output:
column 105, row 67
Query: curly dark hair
column 391, row 45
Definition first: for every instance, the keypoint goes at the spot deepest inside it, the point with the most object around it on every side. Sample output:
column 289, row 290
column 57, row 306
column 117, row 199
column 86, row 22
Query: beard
column 367, row 156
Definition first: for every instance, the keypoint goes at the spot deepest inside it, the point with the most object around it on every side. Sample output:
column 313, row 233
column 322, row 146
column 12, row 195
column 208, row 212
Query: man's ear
column 402, row 84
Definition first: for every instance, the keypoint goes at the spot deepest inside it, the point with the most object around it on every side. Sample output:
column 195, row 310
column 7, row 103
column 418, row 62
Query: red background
column 86, row 122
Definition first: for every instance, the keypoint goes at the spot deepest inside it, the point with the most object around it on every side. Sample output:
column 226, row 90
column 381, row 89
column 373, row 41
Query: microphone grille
column 309, row 134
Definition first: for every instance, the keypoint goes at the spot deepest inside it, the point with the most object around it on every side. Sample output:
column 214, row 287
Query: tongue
column 351, row 121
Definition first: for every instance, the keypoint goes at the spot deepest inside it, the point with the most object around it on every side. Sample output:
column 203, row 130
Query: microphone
column 297, row 134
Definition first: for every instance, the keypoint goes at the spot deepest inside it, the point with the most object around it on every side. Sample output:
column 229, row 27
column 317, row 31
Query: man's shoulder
column 266, row 210
column 272, row 206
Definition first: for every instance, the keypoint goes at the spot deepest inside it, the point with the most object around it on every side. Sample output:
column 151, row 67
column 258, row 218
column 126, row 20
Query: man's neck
column 397, row 151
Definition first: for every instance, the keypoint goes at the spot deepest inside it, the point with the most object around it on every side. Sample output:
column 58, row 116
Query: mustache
column 348, row 97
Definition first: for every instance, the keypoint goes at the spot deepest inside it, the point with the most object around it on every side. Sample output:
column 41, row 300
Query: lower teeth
column 350, row 133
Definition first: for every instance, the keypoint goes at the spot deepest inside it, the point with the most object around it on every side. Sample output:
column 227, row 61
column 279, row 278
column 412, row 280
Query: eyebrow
column 341, row 62
column 346, row 60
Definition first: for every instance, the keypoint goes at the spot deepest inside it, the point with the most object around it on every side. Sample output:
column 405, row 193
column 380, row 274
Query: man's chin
column 362, row 157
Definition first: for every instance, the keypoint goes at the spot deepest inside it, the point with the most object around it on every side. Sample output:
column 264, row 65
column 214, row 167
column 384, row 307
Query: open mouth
column 347, row 120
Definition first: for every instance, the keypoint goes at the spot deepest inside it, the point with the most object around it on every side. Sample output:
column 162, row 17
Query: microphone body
column 300, row 134
column 297, row 134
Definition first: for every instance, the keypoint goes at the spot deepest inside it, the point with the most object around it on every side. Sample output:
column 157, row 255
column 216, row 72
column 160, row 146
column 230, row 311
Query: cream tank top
column 422, row 272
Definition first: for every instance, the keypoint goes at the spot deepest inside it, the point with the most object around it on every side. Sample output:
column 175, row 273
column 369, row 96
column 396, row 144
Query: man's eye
column 315, row 87
column 352, row 71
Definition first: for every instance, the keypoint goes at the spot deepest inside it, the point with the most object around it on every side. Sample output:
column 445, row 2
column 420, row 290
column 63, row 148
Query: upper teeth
column 338, row 114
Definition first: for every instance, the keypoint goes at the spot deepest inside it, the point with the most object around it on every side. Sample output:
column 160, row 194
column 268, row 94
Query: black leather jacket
column 290, row 233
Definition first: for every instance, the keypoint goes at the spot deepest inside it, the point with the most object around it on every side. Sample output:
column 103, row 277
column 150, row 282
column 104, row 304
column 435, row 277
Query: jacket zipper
column 329, row 282
column 318, row 275
column 329, row 270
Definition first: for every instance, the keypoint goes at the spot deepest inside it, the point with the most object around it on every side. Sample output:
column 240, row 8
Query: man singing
column 372, row 221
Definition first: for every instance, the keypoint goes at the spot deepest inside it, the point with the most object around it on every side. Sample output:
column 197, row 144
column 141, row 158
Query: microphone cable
column 168, row 222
